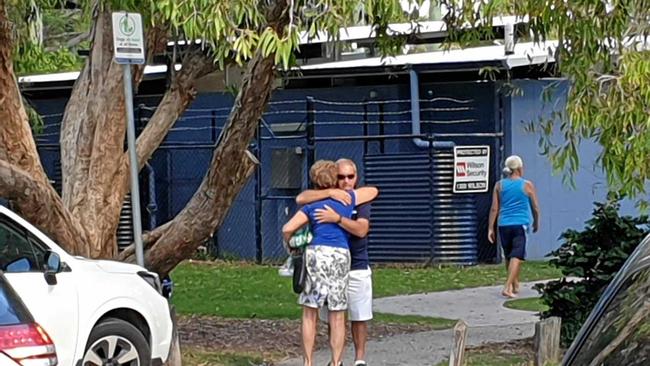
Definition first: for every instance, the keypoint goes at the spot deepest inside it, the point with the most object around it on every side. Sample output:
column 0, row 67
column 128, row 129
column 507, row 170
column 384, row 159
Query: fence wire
column 251, row 231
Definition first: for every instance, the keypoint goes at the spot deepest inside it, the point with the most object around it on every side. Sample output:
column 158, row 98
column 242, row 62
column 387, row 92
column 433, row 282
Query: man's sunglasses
column 349, row 176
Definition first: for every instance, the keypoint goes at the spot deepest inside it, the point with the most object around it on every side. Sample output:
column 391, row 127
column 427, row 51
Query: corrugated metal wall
column 402, row 215
column 252, row 227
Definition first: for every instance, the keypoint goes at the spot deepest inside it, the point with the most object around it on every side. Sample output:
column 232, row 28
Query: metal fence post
column 381, row 127
column 431, row 197
column 311, row 119
column 259, row 254
column 366, row 131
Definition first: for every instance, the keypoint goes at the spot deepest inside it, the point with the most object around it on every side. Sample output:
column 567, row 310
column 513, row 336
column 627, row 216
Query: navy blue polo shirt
column 359, row 246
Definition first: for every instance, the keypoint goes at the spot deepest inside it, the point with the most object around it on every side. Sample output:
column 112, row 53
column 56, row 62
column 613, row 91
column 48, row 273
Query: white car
column 97, row 312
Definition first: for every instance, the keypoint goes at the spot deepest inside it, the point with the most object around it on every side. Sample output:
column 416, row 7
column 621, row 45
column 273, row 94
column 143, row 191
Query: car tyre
column 116, row 342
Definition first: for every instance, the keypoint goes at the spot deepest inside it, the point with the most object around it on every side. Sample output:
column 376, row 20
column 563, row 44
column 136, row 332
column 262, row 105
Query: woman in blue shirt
column 327, row 261
column 513, row 200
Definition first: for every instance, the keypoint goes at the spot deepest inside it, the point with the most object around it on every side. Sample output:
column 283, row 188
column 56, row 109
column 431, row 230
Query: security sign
column 128, row 40
column 471, row 169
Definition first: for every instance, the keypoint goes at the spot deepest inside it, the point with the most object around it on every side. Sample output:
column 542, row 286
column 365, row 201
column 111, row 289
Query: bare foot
column 508, row 294
column 515, row 289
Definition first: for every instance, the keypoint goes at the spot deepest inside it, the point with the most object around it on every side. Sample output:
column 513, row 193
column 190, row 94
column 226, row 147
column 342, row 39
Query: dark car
column 617, row 331
column 22, row 341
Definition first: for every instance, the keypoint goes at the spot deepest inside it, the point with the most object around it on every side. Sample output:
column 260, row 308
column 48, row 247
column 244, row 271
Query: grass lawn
column 532, row 304
column 400, row 281
column 243, row 290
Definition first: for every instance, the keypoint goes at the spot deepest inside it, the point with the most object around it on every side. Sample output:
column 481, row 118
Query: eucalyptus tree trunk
column 95, row 167
column 22, row 178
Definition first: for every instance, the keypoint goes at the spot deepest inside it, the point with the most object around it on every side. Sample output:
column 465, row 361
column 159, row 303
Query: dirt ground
column 280, row 338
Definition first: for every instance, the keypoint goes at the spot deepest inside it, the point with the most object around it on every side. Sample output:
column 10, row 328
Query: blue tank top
column 329, row 234
column 515, row 203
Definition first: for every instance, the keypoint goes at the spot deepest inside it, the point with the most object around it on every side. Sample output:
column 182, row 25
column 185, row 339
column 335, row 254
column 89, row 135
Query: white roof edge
column 528, row 53
column 73, row 75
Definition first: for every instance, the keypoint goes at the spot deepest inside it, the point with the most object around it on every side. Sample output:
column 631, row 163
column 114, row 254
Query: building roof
column 528, row 53
column 525, row 54
column 73, row 75
column 425, row 29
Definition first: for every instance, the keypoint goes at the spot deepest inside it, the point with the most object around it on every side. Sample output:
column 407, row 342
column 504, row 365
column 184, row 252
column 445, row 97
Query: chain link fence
column 294, row 131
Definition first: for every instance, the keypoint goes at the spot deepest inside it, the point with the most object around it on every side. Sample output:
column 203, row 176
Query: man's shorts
column 327, row 278
column 359, row 296
column 513, row 240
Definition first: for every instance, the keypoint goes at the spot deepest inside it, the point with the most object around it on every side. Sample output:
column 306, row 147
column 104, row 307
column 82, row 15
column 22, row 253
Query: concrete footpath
column 482, row 309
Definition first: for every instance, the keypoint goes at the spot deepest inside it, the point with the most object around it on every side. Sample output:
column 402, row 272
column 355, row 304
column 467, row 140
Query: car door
column 617, row 331
column 55, row 306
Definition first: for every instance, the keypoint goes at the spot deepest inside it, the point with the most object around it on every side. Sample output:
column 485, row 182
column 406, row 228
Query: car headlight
column 152, row 279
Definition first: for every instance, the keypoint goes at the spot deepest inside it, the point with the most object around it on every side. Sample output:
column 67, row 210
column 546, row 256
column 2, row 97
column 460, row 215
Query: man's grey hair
column 348, row 162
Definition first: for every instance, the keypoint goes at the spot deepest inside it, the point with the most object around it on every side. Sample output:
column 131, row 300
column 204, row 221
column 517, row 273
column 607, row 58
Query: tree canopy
column 604, row 51
column 259, row 35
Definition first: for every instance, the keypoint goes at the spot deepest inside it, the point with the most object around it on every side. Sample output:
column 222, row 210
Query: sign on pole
column 471, row 169
column 128, row 43
column 128, row 39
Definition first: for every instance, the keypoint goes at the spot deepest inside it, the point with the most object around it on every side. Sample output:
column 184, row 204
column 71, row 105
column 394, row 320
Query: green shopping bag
column 301, row 238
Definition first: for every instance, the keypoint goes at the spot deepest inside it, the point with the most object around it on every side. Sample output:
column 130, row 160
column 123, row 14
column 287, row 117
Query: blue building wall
column 180, row 163
column 562, row 207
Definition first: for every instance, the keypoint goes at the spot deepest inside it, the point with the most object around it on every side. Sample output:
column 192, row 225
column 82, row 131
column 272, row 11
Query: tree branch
column 231, row 165
column 173, row 104
column 30, row 196
column 92, row 140
column 148, row 240
column 156, row 38
column 16, row 141
column 169, row 244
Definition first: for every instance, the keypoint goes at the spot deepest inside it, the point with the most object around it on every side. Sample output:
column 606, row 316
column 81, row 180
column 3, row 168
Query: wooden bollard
column 457, row 356
column 547, row 341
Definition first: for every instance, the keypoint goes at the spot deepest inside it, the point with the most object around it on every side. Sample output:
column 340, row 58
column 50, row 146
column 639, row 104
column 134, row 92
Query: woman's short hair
column 323, row 174
column 513, row 162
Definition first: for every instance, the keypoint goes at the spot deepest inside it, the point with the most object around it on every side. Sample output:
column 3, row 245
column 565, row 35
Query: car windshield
column 621, row 335
column 12, row 311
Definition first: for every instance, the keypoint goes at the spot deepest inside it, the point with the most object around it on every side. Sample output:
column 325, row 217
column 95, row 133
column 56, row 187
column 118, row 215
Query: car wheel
column 117, row 343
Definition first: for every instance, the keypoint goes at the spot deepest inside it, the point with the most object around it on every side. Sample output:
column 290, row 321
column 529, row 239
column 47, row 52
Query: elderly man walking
column 360, row 276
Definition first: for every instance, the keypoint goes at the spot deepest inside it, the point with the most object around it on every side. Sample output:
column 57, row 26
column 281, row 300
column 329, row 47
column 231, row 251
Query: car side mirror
column 19, row 265
column 52, row 267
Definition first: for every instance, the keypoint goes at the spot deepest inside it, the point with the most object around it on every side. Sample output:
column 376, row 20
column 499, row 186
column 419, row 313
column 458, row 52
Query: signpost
column 471, row 169
column 128, row 43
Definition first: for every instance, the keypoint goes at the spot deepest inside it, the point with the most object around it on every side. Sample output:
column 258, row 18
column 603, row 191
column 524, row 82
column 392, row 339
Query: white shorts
column 359, row 296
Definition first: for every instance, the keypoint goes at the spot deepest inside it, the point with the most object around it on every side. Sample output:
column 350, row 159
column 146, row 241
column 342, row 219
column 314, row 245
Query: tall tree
column 603, row 50
column 260, row 35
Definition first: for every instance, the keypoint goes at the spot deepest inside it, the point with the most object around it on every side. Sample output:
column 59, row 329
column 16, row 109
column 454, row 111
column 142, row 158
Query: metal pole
column 133, row 165
column 259, row 255
column 311, row 119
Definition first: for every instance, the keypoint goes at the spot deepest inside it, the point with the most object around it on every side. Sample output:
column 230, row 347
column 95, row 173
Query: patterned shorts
column 327, row 278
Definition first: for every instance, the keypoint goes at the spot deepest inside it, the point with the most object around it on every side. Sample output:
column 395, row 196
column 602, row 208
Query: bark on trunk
column 32, row 195
column 22, row 178
column 92, row 140
column 231, row 166
column 94, row 163
column 170, row 108
column 16, row 141
column 175, row 241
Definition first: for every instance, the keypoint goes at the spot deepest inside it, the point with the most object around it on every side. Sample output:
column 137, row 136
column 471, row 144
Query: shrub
column 594, row 255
